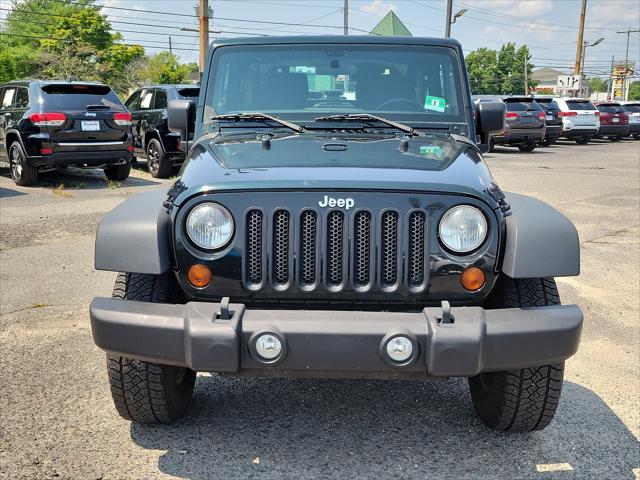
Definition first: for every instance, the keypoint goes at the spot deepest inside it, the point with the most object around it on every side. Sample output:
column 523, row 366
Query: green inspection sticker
column 437, row 104
column 432, row 150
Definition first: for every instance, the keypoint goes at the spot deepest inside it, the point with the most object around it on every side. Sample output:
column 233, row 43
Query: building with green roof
column 391, row 26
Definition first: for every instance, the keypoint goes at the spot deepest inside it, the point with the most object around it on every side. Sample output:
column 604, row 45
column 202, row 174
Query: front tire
column 525, row 399
column 22, row 172
column 157, row 161
column 144, row 391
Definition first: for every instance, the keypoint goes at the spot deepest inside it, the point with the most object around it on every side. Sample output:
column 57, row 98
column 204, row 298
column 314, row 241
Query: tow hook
column 223, row 312
column 446, row 313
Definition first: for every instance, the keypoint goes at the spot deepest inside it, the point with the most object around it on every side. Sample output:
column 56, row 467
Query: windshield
column 580, row 105
column 609, row 108
column 77, row 97
column 301, row 82
column 521, row 106
column 634, row 108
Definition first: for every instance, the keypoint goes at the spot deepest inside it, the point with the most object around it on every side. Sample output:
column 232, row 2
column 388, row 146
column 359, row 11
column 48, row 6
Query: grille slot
column 307, row 247
column 253, row 241
column 416, row 261
column 362, row 249
column 335, row 248
column 389, row 249
column 280, row 245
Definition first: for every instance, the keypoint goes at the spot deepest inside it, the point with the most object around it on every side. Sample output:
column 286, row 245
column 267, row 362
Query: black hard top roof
column 337, row 39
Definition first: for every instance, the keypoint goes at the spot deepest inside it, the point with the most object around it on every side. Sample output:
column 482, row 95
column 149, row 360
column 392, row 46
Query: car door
column 144, row 111
column 133, row 105
column 160, row 116
column 6, row 101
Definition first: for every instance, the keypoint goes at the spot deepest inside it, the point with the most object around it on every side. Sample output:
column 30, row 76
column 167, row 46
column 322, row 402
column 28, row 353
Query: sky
column 548, row 27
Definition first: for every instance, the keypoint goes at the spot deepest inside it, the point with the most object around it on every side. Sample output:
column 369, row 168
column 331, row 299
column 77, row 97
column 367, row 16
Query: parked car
column 162, row 148
column 45, row 125
column 614, row 121
column 309, row 237
column 525, row 124
column 632, row 109
column 580, row 119
column 553, row 120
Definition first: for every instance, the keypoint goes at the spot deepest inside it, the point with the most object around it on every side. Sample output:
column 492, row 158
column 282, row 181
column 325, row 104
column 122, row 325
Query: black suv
column 553, row 120
column 525, row 127
column 335, row 218
column 45, row 125
column 151, row 135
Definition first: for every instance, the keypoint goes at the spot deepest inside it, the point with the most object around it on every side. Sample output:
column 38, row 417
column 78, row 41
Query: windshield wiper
column 240, row 117
column 367, row 117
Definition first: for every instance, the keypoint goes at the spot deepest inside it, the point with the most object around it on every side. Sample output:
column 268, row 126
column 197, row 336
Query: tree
column 596, row 84
column 165, row 68
column 634, row 90
column 501, row 72
column 54, row 39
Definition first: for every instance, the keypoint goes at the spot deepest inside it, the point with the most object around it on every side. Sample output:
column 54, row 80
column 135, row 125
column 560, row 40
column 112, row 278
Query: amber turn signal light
column 472, row 279
column 199, row 275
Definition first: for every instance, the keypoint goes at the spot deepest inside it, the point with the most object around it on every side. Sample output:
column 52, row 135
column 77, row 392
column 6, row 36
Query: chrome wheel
column 15, row 163
column 153, row 157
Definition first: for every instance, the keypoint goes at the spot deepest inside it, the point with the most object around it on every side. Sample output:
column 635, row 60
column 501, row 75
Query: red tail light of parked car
column 48, row 119
column 123, row 118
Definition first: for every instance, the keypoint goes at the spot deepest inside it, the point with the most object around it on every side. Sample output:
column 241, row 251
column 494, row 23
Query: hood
column 433, row 163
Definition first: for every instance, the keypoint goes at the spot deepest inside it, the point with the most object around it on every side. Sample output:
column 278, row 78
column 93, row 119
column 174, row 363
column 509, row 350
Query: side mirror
column 490, row 120
column 181, row 118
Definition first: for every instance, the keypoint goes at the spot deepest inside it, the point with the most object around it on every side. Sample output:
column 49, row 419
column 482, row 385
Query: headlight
column 462, row 228
column 210, row 226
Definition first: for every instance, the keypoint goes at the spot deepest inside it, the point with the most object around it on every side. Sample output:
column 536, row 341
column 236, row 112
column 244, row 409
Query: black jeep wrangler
column 335, row 218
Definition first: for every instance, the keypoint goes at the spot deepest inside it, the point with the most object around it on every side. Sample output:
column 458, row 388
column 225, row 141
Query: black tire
column 144, row 391
column 492, row 145
column 22, row 172
column 118, row 172
column 157, row 161
column 583, row 140
column 527, row 147
column 548, row 141
column 526, row 399
column 636, row 136
column 615, row 138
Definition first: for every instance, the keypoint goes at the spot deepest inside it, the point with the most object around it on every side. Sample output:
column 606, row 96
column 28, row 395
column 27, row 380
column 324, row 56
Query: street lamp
column 450, row 21
column 586, row 44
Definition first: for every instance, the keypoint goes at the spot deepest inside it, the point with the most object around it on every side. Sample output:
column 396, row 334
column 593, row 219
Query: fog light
column 399, row 349
column 268, row 346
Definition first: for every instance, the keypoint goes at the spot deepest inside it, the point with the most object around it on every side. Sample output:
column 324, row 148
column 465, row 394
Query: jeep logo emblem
column 345, row 203
column 89, row 114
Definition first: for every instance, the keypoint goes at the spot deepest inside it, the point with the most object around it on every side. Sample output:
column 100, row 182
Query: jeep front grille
column 336, row 250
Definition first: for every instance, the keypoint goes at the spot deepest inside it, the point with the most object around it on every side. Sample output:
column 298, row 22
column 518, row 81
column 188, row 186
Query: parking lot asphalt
column 57, row 419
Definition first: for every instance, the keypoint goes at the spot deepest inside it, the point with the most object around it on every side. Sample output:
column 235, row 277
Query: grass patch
column 59, row 191
column 40, row 305
column 112, row 184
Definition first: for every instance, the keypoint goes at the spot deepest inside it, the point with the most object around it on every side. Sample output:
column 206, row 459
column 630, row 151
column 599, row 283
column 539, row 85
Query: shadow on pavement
column 372, row 429
column 81, row 178
column 8, row 192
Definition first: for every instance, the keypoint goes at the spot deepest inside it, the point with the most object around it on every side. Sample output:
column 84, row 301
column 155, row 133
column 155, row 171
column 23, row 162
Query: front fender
column 540, row 241
column 134, row 236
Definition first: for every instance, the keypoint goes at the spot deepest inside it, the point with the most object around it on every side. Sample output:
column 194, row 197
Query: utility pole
column 628, row 32
column 576, row 67
column 203, row 16
column 447, row 31
column 610, row 97
column 345, row 13
column 170, row 47
column 526, row 75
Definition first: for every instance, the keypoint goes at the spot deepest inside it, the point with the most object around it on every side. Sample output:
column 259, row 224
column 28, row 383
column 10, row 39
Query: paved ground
column 57, row 420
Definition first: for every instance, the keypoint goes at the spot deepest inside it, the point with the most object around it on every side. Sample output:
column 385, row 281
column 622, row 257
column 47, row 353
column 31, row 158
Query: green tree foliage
column 165, row 68
column 596, row 84
column 53, row 39
column 634, row 90
column 499, row 72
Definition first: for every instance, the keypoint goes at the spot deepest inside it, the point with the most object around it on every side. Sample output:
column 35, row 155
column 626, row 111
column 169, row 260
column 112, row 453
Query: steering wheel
column 414, row 106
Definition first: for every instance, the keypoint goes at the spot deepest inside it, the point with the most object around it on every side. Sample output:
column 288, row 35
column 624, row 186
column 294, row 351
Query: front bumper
column 208, row 337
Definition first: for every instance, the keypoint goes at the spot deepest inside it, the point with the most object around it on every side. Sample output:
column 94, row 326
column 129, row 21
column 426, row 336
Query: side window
column 7, row 98
column 160, row 102
column 133, row 102
column 146, row 99
column 22, row 98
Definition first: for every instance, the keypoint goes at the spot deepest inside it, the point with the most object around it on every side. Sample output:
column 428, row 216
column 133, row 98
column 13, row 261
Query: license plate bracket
column 90, row 125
